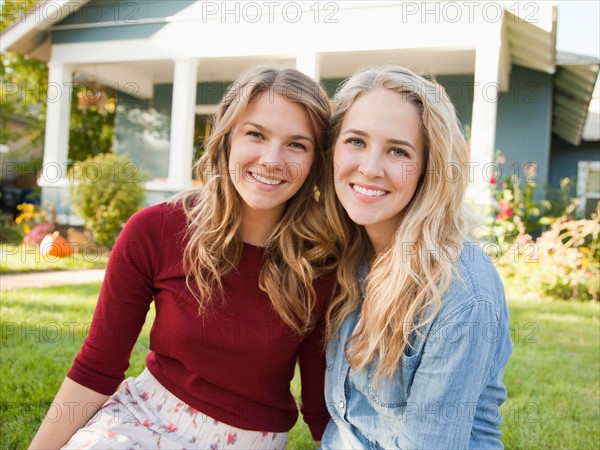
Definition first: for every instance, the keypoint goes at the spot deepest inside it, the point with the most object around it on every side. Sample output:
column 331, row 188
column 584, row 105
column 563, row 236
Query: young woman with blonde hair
column 418, row 336
column 238, row 270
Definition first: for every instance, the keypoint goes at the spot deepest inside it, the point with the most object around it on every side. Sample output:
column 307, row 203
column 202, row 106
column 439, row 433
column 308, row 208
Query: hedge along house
column 171, row 61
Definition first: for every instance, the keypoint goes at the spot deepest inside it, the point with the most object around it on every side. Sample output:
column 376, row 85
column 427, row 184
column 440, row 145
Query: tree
column 23, row 90
column 23, row 82
column 92, row 120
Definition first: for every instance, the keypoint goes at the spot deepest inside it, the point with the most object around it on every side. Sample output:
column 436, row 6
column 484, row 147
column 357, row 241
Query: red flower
column 493, row 179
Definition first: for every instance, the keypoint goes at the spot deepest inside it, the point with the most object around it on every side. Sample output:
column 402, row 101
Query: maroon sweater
column 234, row 363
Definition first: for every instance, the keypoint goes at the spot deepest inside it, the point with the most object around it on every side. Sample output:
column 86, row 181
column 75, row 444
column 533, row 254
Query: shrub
column 10, row 232
column 564, row 262
column 569, row 258
column 107, row 190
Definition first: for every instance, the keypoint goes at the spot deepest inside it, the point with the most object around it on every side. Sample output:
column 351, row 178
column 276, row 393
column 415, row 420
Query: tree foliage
column 23, row 90
column 92, row 120
column 22, row 84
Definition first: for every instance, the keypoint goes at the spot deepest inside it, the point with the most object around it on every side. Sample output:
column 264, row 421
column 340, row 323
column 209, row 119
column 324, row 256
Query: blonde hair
column 405, row 284
column 299, row 249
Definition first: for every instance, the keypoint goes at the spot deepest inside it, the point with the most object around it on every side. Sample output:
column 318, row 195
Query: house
column 171, row 61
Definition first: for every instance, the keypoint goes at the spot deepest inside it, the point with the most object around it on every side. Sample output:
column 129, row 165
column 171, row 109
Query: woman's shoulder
column 476, row 280
column 151, row 224
column 157, row 215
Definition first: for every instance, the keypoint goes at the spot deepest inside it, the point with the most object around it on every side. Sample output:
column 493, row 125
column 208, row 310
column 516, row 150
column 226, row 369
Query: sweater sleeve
column 124, row 300
column 312, row 375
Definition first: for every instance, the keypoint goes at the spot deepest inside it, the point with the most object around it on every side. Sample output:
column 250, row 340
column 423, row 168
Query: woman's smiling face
column 272, row 150
column 378, row 158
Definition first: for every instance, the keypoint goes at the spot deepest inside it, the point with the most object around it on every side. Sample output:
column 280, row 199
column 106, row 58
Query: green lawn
column 553, row 378
column 42, row 330
column 20, row 258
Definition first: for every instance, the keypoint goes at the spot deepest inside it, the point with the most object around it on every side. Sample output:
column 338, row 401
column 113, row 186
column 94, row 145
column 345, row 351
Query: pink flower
column 506, row 212
column 502, row 159
column 190, row 410
column 171, row 428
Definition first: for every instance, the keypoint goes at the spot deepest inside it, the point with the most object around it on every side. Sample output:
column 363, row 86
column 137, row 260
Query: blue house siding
column 460, row 90
column 117, row 20
column 524, row 125
column 564, row 159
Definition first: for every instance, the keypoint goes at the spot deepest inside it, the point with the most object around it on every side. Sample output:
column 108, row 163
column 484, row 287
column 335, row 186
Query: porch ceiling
column 31, row 35
column 432, row 61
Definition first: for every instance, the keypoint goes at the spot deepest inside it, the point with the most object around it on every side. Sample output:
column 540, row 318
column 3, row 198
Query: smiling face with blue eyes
column 378, row 159
column 272, row 149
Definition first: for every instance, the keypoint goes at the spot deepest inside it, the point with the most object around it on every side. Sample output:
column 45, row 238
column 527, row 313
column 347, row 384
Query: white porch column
column 182, row 124
column 483, row 123
column 309, row 63
column 58, row 114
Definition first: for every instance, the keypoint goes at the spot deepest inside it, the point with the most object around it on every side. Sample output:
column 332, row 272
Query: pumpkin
column 55, row 245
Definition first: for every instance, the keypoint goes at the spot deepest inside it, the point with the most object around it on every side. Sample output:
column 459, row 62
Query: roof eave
column 31, row 36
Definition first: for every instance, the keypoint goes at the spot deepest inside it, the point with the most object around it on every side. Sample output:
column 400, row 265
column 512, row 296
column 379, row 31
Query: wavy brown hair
column 299, row 249
column 405, row 284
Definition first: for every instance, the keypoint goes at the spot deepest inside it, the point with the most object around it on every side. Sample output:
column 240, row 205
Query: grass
column 553, row 377
column 41, row 332
column 21, row 258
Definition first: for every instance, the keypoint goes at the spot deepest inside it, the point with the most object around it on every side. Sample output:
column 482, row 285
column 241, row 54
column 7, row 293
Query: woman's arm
column 312, row 375
column 447, row 391
column 73, row 406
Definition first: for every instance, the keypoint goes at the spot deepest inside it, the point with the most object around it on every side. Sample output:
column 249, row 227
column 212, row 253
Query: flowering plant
column 566, row 259
column 516, row 215
column 30, row 216
column 543, row 243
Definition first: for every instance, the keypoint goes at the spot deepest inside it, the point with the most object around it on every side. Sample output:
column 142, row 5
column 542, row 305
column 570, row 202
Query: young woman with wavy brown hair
column 418, row 335
column 239, row 273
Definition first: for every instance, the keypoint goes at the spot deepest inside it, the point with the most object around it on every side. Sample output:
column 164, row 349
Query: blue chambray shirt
column 447, row 391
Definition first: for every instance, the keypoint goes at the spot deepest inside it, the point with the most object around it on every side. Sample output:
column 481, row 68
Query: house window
column 588, row 186
column 204, row 115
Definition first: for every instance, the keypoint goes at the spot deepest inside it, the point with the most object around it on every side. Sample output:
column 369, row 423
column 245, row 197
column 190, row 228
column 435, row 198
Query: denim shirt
column 447, row 390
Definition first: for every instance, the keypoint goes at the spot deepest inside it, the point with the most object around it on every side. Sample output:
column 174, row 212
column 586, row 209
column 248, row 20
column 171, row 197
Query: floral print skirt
column 143, row 414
